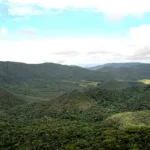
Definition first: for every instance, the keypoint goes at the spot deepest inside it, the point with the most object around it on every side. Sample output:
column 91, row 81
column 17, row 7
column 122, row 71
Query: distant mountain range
column 12, row 73
column 116, row 65
column 47, row 70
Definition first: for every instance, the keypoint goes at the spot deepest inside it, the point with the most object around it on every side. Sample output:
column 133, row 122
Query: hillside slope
column 12, row 72
column 118, row 85
column 128, row 120
column 93, row 104
column 116, row 65
column 9, row 100
column 18, row 73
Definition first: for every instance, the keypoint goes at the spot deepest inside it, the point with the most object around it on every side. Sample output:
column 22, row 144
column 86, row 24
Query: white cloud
column 3, row 31
column 84, row 50
column 19, row 19
column 112, row 8
column 141, row 34
column 47, row 50
column 24, row 10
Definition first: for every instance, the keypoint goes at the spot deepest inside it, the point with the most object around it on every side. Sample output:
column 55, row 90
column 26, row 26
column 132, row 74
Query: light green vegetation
column 128, row 120
column 145, row 81
column 119, row 84
column 84, row 83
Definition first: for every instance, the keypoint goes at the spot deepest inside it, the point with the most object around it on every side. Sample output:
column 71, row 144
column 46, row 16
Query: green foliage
column 119, row 85
column 80, row 120
column 128, row 120
column 54, row 134
column 8, row 100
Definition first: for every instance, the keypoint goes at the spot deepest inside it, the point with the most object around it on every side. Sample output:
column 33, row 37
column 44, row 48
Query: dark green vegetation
column 118, row 85
column 116, row 65
column 55, row 107
column 8, row 100
column 124, row 71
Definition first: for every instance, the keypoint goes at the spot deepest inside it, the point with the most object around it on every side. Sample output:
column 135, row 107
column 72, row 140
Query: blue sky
column 75, row 32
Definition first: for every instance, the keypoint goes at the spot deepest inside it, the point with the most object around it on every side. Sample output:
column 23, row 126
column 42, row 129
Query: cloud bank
column 75, row 51
column 111, row 8
column 3, row 31
column 133, row 45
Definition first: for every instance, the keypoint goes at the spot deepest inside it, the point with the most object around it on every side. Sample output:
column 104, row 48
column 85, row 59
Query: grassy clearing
column 145, row 81
column 128, row 120
column 84, row 83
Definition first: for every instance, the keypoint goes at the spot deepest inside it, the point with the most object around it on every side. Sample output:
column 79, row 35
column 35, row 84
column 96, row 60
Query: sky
column 75, row 32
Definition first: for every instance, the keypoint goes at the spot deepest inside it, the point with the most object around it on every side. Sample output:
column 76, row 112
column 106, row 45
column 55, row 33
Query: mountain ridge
column 116, row 65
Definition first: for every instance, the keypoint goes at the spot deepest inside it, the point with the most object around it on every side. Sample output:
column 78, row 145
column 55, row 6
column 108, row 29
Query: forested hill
column 130, row 72
column 9, row 100
column 124, row 71
column 16, row 72
column 116, row 65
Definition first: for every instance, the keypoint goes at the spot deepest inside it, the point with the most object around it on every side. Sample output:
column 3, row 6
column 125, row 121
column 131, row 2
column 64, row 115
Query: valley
column 59, row 107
